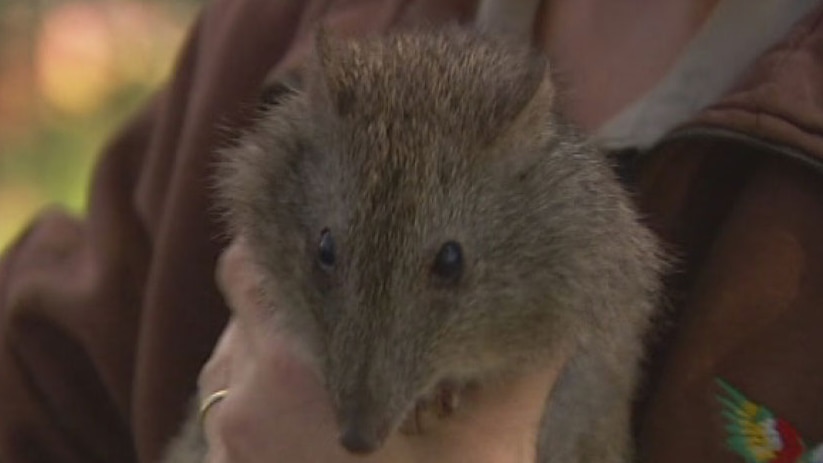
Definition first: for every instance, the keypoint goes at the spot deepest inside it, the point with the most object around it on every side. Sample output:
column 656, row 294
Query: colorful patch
column 760, row 437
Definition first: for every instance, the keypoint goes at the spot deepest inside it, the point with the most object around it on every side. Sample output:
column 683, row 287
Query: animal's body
column 426, row 218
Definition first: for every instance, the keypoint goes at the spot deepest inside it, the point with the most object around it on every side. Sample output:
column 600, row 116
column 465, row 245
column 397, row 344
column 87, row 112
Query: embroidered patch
column 760, row 437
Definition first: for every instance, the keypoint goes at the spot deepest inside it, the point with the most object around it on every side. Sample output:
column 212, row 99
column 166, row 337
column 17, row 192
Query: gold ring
column 211, row 400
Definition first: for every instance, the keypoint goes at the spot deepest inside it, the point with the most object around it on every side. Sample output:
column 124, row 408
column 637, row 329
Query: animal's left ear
column 535, row 120
column 521, row 146
column 540, row 108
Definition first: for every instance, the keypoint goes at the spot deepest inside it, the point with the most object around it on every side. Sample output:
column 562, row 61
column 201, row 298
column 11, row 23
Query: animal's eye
column 449, row 261
column 326, row 252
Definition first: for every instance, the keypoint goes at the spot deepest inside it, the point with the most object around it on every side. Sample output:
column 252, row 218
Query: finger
column 216, row 373
column 235, row 271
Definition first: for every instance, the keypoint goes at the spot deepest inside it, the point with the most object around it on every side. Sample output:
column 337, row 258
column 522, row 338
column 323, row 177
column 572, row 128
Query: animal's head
column 425, row 217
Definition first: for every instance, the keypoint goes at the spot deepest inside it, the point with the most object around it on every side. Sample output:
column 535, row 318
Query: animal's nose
column 363, row 431
column 357, row 441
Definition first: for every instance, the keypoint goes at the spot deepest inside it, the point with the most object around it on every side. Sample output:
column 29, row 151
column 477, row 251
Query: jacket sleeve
column 738, row 196
column 743, row 304
column 69, row 314
column 105, row 320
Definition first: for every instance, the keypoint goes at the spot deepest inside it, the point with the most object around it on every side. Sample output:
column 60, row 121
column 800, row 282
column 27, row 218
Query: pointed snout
column 373, row 381
column 363, row 431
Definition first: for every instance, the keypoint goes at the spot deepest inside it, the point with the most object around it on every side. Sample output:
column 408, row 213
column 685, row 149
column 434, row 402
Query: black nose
column 355, row 441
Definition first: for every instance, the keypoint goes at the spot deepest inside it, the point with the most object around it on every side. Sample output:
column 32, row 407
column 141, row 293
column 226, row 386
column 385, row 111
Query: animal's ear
column 521, row 144
column 330, row 83
column 538, row 113
column 278, row 86
column 325, row 47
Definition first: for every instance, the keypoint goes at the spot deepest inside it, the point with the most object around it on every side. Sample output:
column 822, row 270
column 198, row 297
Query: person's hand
column 277, row 409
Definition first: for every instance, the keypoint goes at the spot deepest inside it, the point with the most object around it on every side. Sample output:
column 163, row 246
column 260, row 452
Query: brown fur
column 400, row 144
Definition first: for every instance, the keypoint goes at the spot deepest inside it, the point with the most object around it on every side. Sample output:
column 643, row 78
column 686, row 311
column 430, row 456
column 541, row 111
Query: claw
column 447, row 401
column 442, row 404
column 412, row 425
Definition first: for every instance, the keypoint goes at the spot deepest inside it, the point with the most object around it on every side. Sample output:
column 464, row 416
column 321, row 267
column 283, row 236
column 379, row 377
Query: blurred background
column 71, row 72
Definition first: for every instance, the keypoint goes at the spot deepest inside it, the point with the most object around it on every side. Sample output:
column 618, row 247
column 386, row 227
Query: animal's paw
column 441, row 404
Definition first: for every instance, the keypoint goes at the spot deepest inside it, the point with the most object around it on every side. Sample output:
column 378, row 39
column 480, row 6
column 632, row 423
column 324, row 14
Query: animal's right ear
column 330, row 84
column 278, row 86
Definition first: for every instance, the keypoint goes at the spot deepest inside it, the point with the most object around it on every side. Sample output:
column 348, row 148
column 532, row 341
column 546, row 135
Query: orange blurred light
column 75, row 57
column 87, row 50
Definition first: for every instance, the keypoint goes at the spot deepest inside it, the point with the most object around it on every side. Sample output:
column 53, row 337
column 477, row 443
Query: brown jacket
column 105, row 321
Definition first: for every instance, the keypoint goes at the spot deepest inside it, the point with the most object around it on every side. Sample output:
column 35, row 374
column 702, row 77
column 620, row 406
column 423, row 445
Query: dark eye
column 326, row 251
column 449, row 261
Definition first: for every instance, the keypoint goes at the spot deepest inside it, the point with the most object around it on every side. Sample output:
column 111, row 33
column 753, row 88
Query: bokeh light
column 71, row 73
column 75, row 58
